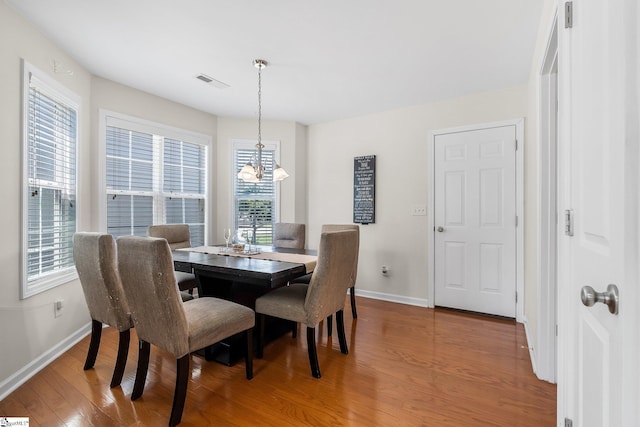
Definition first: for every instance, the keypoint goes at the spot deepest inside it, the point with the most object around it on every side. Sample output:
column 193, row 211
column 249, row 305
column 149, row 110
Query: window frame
column 248, row 144
column 63, row 95
column 111, row 118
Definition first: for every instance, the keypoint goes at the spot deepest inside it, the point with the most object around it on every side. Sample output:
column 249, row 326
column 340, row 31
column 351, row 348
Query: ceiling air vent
column 212, row 81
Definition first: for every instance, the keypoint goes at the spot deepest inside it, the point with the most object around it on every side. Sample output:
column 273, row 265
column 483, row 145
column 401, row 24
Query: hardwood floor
column 407, row 366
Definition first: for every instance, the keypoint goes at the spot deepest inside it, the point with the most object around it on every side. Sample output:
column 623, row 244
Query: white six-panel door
column 599, row 350
column 475, row 220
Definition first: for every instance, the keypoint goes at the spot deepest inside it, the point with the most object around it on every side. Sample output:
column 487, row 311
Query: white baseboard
column 392, row 298
column 20, row 377
column 532, row 353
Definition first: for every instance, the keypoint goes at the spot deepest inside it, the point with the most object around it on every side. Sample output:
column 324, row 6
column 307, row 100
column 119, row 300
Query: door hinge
column 516, row 297
column 516, row 220
column 568, row 14
column 568, row 222
column 568, row 422
column 516, row 145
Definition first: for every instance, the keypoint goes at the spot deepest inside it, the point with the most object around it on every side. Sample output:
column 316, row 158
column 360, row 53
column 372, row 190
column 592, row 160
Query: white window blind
column 184, row 186
column 255, row 203
column 130, row 178
column 154, row 179
column 49, row 192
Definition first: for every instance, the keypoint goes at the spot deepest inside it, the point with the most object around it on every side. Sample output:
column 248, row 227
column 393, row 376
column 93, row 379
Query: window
column 255, row 204
column 49, row 182
column 154, row 175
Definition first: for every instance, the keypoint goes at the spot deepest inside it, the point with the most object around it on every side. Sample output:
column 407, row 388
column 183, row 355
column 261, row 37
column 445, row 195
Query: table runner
column 309, row 261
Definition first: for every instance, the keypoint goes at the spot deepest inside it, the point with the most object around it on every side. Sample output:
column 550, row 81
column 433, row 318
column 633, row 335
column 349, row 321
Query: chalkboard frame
column 364, row 189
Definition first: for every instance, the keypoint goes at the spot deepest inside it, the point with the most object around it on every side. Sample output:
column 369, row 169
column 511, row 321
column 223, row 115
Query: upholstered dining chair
column 352, row 289
column 322, row 297
column 289, row 235
column 161, row 319
column 178, row 237
column 95, row 257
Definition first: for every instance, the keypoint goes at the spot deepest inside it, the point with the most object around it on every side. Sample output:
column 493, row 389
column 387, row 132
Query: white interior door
column 475, row 220
column 598, row 381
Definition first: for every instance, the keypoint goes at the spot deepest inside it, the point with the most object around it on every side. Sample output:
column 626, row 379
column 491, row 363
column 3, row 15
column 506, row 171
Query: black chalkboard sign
column 364, row 189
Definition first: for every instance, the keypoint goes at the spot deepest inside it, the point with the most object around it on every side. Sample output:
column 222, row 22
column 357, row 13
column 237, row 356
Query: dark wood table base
column 231, row 350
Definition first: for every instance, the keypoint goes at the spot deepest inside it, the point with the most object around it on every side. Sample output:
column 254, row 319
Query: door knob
column 440, row 229
column 609, row 297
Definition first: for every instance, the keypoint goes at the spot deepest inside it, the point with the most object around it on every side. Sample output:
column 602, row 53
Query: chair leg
column 144, row 348
column 313, row 354
column 260, row 324
column 94, row 344
column 330, row 325
column 248, row 357
column 121, row 360
column 352, row 293
column 180, row 394
column 341, row 336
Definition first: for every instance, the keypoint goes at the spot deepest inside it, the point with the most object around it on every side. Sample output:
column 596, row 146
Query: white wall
column 399, row 139
column 531, row 178
column 292, row 137
column 28, row 328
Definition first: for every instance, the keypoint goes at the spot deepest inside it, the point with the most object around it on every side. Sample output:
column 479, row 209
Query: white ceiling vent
column 212, row 81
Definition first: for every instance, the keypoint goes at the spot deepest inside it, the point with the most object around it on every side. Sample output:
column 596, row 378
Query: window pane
column 194, row 155
column 50, row 230
column 174, row 210
column 118, row 142
column 129, row 215
column 197, row 234
column 256, row 215
column 172, row 151
column 181, row 211
column 244, row 156
column 142, row 146
column 129, row 160
column 172, row 178
column 137, row 170
column 119, row 215
column 50, row 158
column 255, row 202
column 194, row 211
column 117, row 174
column 187, row 211
column 142, row 214
column 141, row 176
column 184, row 167
column 193, row 180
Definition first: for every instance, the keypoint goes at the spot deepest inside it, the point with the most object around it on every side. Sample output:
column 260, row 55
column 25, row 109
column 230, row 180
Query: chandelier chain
column 249, row 172
column 259, row 105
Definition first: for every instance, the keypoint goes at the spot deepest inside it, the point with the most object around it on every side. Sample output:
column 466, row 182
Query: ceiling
column 328, row 59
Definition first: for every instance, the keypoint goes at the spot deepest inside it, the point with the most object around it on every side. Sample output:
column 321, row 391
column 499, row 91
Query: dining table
column 242, row 277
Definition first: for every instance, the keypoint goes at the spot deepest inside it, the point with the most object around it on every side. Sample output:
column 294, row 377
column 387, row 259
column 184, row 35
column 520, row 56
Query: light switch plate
column 419, row 210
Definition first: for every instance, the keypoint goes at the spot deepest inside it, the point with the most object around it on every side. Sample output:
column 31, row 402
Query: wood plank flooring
column 407, row 366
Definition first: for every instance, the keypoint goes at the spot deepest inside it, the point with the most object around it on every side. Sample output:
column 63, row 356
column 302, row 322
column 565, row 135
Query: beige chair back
column 177, row 235
column 332, row 276
column 289, row 235
column 96, row 262
column 146, row 270
column 341, row 227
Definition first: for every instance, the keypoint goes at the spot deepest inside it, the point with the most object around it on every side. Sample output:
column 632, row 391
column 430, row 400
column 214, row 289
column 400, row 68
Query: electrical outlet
column 419, row 210
column 57, row 307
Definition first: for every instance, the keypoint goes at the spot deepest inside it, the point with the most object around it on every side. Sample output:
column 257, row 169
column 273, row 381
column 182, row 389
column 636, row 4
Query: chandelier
column 249, row 172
